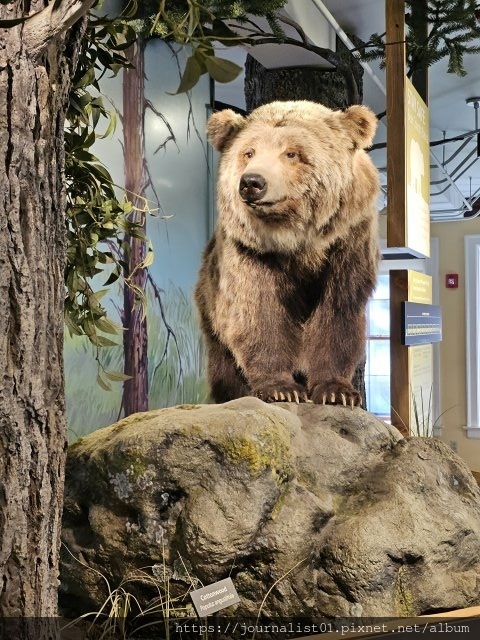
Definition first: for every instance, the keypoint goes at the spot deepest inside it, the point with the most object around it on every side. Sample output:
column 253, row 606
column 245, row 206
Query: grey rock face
column 357, row 520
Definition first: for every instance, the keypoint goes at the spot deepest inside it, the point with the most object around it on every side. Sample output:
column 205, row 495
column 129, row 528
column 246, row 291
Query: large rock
column 358, row 520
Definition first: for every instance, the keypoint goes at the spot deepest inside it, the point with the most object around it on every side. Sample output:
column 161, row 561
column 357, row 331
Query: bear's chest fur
column 299, row 289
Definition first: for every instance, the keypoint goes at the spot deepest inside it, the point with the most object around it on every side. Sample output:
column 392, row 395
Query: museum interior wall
column 451, row 411
column 453, row 346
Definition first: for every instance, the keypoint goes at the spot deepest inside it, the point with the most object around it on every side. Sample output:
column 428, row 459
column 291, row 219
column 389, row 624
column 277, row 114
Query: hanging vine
column 95, row 215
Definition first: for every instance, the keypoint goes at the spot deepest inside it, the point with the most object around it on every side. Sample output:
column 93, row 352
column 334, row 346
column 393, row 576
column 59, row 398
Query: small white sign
column 215, row 597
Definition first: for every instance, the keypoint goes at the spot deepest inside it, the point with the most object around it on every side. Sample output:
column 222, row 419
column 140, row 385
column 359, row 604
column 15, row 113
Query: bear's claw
column 334, row 392
column 279, row 396
column 269, row 394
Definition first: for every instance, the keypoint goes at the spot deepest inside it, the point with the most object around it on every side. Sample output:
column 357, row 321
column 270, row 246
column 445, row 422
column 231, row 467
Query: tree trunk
column 34, row 86
column 334, row 89
column 331, row 88
column 135, row 339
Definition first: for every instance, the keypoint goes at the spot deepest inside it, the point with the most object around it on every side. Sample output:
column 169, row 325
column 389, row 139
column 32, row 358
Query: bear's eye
column 249, row 154
column 292, row 154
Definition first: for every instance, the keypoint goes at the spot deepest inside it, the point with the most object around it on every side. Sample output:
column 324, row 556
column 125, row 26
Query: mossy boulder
column 356, row 519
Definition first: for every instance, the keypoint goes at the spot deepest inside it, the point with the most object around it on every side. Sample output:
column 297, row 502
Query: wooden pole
column 408, row 215
column 396, row 197
column 399, row 362
column 396, row 160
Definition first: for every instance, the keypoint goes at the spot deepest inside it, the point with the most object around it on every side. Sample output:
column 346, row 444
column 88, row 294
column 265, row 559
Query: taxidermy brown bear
column 286, row 277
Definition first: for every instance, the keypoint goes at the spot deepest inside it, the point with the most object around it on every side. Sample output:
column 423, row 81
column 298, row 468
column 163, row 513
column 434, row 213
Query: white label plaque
column 216, row 596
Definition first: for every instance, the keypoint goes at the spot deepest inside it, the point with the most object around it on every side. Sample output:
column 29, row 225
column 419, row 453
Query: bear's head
column 293, row 173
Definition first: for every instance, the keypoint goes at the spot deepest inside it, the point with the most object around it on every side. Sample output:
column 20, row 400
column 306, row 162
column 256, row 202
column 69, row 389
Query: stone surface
column 357, row 520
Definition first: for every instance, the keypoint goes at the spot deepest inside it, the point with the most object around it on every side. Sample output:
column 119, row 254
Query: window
column 377, row 368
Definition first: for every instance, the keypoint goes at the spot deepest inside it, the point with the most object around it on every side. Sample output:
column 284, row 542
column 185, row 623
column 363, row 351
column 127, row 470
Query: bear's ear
column 222, row 127
column 361, row 123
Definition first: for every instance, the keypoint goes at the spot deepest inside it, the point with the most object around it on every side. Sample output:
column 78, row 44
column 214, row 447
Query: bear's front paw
column 336, row 392
column 281, row 391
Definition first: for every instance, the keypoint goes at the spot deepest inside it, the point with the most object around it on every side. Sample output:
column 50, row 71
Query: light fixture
column 475, row 103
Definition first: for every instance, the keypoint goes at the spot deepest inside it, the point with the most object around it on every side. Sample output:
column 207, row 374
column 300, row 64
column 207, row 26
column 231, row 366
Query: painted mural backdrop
column 159, row 154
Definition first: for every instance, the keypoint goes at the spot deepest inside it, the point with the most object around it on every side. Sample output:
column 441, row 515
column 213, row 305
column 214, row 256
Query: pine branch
column 454, row 32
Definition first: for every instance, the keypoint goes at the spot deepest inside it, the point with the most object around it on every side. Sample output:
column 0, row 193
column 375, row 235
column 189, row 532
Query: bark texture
column 34, row 86
column 335, row 89
column 135, row 340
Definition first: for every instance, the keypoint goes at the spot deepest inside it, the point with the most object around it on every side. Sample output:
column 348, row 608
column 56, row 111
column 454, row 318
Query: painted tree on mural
column 149, row 23
column 134, row 255
column 135, row 104
column 134, row 319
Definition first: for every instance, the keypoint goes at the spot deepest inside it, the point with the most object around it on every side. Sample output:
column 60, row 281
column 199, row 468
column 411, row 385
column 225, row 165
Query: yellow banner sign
column 419, row 287
column 417, row 141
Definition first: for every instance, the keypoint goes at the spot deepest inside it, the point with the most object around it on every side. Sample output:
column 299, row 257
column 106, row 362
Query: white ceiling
column 449, row 113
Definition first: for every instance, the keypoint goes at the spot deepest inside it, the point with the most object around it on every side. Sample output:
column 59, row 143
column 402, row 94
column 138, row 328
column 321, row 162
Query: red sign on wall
column 451, row 280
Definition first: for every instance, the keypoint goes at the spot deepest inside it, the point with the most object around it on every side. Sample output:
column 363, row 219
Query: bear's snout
column 253, row 187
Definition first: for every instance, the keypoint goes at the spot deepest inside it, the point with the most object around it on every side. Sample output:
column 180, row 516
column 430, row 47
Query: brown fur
column 285, row 279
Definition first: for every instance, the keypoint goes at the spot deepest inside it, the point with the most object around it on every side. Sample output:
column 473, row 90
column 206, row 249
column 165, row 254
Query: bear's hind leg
column 224, row 376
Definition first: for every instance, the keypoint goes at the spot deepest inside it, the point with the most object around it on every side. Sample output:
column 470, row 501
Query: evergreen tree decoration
column 454, row 30
column 189, row 18
column 200, row 24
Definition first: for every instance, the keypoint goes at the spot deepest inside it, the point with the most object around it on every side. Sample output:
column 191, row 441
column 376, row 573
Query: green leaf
column 101, row 293
column 85, row 156
column 107, row 326
column 86, row 79
column 190, row 77
column 148, row 259
column 100, row 341
column 89, row 329
column 72, row 326
column 103, row 383
column 100, row 171
column 117, row 376
column 113, row 277
column 96, row 112
column 138, row 233
column 222, row 70
column 112, row 124
column 115, row 68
